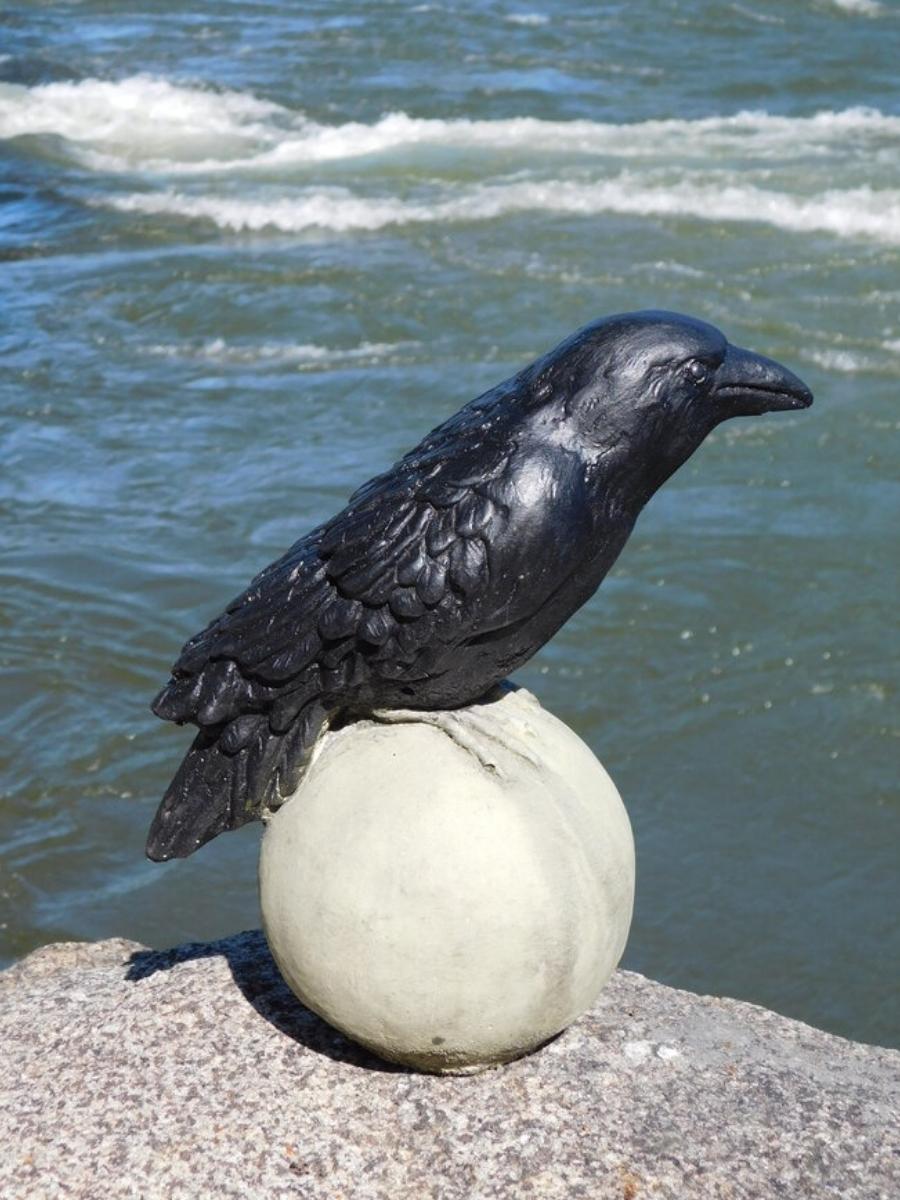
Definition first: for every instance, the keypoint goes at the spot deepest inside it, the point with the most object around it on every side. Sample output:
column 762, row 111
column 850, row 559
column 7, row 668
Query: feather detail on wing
column 373, row 595
column 397, row 563
column 412, row 555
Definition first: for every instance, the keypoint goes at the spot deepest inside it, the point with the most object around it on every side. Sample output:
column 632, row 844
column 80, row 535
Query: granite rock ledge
column 194, row 1072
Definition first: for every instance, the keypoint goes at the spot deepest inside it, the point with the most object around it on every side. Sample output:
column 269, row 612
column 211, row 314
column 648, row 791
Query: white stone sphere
column 450, row 889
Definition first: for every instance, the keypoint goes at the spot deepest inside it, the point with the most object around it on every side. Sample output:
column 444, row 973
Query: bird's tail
column 230, row 774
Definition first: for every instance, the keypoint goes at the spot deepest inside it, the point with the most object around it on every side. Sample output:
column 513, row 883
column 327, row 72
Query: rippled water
column 251, row 252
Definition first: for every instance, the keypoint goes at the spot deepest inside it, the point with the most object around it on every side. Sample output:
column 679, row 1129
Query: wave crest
column 796, row 173
column 144, row 123
column 846, row 213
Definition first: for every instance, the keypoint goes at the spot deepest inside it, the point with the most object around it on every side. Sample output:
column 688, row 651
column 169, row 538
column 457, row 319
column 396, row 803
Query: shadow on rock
column 259, row 981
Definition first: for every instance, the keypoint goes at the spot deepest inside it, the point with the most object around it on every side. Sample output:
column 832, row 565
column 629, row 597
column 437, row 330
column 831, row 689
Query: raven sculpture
column 448, row 572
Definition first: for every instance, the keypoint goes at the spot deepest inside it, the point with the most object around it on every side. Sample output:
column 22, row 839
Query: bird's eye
column 697, row 371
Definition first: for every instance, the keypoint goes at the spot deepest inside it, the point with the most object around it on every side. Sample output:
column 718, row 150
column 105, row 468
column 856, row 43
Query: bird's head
column 654, row 384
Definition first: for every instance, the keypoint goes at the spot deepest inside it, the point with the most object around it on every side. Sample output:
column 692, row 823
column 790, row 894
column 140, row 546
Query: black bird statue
column 447, row 572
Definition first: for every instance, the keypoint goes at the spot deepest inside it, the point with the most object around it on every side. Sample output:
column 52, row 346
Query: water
column 251, row 252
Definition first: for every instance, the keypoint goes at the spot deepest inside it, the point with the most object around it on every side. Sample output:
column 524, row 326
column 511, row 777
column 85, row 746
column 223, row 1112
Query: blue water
column 252, row 252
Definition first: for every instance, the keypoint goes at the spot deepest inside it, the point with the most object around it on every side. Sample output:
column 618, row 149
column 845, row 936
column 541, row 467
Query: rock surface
column 194, row 1073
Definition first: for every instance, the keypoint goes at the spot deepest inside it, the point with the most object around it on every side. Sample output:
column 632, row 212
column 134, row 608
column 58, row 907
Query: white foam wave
column 527, row 18
column 758, row 135
column 677, row 167
column 838, row 360
column 310, row 355
column 753, row 14
column 845, row 213
column 138, row 119
column 148, row 124
column 869, row 8
column 871, row 360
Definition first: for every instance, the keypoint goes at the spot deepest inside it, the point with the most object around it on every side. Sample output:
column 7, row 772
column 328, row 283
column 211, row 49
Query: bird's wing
column 449, row 544
column 370, row 586
column 363, row 600
column 409, row 559
column 422, row 559
column 467, row 538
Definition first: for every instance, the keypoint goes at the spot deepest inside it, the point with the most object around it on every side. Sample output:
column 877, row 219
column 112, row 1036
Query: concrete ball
column 450, row 889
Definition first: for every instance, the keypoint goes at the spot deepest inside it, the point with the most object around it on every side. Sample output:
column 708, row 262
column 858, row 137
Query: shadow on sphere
column 260, row 983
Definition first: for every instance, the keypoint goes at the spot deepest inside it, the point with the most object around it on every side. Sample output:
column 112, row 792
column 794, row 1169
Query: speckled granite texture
column 194, row 1073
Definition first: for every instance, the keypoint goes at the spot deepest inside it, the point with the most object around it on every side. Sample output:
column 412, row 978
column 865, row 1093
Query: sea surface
column 251, row 252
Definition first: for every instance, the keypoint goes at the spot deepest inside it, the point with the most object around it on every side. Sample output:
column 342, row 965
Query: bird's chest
column 566, row 524
column 562, row 548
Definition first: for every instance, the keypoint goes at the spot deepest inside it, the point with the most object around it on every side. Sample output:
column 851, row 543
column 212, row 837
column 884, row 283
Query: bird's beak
column 749, row 383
